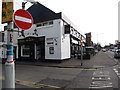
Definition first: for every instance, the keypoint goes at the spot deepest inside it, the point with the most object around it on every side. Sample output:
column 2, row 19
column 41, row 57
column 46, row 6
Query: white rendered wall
column 50, row 32
column 65, row 47
column 53, row 33
column 65, row 43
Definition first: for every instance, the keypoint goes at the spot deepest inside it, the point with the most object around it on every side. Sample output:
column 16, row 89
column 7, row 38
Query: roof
column 40, row 13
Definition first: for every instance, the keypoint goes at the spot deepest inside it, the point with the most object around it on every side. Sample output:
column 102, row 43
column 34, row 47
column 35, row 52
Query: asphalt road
column 0, row 77
column 102, row 73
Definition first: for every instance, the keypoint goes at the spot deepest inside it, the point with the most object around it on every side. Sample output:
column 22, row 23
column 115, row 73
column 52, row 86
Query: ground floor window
column 51, row 50
column 31, row 48
column 25, row 50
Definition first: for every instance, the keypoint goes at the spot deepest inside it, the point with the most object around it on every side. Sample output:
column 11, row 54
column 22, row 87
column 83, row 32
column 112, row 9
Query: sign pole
column 81, row 46
column 9, row 65
column 81, row 55
column 119, row 73
column 7, row 17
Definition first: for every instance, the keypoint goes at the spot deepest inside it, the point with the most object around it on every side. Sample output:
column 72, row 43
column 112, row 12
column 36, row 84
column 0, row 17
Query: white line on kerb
column 23, row 19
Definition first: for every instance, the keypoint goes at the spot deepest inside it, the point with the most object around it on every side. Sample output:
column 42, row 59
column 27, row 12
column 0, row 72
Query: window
column 39, row 24
column 47, row 23
column 50, row 22
column 51, row 50
column 67, row 29
column 25, row 50
column 3, row 37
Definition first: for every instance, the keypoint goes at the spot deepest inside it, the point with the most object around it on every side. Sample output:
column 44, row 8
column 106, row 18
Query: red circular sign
column 23, row 19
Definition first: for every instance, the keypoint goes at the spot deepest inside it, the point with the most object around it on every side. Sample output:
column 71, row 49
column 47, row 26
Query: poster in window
column 51, row 50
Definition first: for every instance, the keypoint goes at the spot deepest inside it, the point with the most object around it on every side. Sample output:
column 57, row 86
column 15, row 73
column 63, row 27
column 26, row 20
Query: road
column 0, row 75
column 99, row 72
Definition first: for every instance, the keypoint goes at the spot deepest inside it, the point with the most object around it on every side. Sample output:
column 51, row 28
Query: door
column 38, row 52
column 32, row 53
column 27, row 51
column 40, row 48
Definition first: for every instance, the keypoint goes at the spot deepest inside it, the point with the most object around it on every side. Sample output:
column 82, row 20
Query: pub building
column 52, row 37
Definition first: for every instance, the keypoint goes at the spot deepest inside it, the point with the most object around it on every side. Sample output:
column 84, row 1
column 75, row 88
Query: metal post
column 81, row 55
column 119, row 74
column 9, row 64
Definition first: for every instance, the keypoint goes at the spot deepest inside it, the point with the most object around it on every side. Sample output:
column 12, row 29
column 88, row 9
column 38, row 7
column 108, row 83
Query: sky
column 100, row 17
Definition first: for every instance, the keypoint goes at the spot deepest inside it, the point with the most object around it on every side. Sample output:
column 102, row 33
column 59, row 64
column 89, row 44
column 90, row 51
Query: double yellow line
column 35, row 84
column 1, row 78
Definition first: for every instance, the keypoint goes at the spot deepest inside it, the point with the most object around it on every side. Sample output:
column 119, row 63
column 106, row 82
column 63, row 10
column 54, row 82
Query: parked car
column 96, row 51
column 104, row 50
column 117, row 54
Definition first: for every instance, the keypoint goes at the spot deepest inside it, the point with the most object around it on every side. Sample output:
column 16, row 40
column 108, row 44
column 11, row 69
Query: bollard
column 9, row 75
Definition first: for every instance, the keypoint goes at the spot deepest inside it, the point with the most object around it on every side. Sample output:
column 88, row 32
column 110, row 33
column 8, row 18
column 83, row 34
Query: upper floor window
column 3, row 37
column 50, row 22
column 47, row 23
column 67, row 29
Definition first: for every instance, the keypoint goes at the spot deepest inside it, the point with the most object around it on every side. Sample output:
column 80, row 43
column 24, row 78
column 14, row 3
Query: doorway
column 32, row 48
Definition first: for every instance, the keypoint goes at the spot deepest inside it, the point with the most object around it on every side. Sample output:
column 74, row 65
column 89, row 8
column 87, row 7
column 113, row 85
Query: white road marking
column 100, row 79
column 116, row 71
column 2, row 78
column 101, row 72
column 108, row 78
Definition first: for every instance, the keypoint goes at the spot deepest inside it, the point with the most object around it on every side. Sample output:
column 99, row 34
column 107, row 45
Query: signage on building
column 88, row 39
column 23, row 19
column 52, row 41
column 7, row 11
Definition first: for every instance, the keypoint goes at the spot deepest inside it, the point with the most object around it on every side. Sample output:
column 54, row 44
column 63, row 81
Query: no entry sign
column 23, row 19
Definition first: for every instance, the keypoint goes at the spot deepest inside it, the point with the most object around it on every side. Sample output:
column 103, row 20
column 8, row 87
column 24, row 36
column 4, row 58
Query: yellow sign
column 7, row 11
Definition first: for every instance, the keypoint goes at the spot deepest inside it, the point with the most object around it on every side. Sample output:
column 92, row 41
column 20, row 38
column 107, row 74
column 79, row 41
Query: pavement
column 93, row 63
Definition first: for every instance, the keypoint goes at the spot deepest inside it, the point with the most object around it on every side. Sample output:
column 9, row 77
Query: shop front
column 31, row 48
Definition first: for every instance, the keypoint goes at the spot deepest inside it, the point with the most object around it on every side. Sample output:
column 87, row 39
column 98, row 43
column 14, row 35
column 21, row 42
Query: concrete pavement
column 94, row 62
